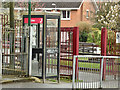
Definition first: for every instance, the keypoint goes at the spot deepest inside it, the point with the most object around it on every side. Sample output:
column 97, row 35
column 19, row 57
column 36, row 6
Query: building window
column 87, row 13
column 48, row 10
column 65, row 15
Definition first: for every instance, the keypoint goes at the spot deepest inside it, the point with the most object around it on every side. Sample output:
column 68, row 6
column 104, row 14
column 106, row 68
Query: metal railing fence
column 88, row 71
column 86, row 48
column 69, row 46
column 0, row 54
column 14, row 53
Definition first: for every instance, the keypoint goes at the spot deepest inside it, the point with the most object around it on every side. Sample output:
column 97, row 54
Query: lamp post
column 29, row 13
column 29, row 41
column 53, row 4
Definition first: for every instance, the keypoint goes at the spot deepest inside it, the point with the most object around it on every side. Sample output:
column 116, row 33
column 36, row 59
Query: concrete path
column 47, row 85
column 89, row 79
column 92, row 80
column 37, row 85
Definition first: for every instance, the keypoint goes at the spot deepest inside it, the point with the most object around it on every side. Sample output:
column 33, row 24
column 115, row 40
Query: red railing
column 109, row 47
column 69, row 47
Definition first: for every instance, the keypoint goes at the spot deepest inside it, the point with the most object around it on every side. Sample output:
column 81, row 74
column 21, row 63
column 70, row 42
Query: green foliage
column 118, row 21
column 66, row 79
column 94, row 36
column 78, row 80
column 94, row 29
column 5, row 4
column 84, row 28
column 52, row 80
column 98, row 25
column 83, row 36
column 89, row 65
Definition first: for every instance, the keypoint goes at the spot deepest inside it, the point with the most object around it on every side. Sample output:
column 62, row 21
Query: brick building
column 72, row 12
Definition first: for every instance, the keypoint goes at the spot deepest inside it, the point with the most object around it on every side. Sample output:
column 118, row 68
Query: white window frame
column 47, row 10
column 87, row 13
column 66, row 15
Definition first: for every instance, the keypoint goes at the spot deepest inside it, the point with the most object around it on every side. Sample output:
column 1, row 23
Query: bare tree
column 34, row 5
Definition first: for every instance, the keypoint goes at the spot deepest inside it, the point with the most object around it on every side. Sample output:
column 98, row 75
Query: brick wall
column 79, row 15
column 88, row 6
column 75, row 17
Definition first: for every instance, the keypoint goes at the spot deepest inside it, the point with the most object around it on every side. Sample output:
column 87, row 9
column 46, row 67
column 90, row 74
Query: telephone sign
column 34, row 20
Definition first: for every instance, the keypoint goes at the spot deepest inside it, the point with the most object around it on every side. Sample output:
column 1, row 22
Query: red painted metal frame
column 69, row 48
column 112, row 50
column 76, row 45
column 104, row 48
column 66, row 51
column 109, row 48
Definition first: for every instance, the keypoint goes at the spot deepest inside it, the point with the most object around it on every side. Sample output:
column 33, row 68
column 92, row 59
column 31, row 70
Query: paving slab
column 37, row 85
column 15, row 79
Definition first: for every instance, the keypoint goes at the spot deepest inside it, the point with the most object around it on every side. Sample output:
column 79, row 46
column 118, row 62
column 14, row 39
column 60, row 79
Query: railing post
column 76, row 45
column 0, row 53
column 103, row 49
column 73, row 77
column 101, row 72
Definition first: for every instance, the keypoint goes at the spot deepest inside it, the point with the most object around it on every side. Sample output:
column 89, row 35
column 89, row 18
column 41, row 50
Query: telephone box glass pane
column 51, row 47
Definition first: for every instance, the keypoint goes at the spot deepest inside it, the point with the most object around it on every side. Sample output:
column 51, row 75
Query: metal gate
column 110, row 47
column 113, row 45
column 69, row 47
column 14, row 56
column 90, row 72
column 66, row 51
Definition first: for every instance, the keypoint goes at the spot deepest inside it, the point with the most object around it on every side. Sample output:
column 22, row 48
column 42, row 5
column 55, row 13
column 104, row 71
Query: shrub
column 84, row 29
column 95, row 36
column 98, row 25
